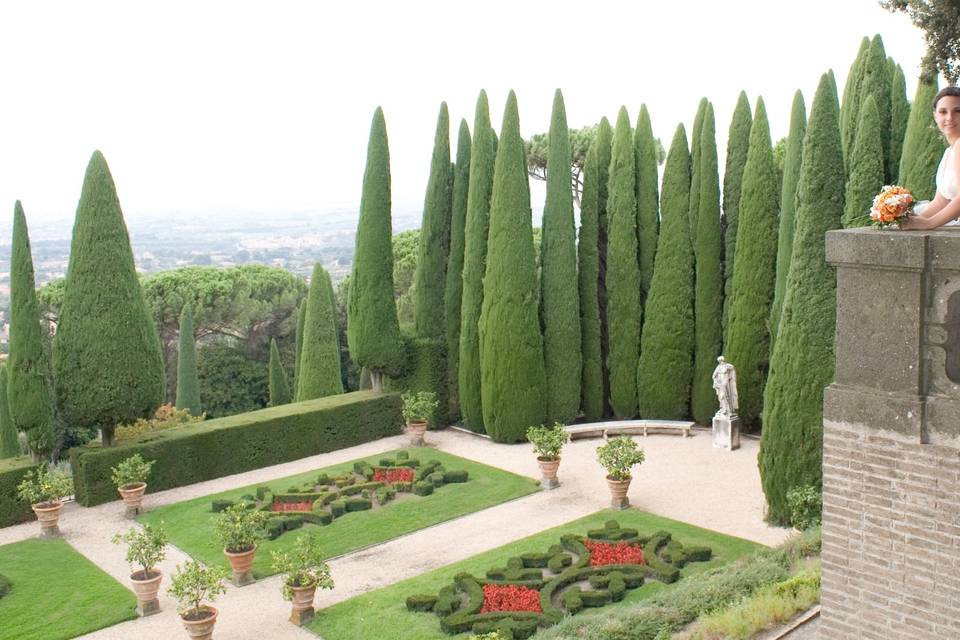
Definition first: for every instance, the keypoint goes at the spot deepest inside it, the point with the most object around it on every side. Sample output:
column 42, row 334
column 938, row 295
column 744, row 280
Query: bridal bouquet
column 891, row 207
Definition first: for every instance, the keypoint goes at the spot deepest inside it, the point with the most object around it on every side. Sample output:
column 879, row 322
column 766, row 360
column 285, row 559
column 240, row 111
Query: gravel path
column 683, row 478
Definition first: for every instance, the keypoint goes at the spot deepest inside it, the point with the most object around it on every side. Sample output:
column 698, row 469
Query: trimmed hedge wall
column 234, row 444
column 12, row 471
column 426, row 370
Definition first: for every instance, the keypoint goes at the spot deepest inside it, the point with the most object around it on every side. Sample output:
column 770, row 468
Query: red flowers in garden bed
column 510, row 597
column 603, row 553
column 393, row 474
column 291, row 506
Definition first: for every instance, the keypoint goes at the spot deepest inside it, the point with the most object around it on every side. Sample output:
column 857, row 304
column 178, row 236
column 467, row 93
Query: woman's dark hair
column 952, row 91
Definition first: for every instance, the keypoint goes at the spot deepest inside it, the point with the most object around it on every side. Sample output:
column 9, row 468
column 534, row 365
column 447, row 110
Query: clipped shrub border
column 12, row 510
column 221, row 447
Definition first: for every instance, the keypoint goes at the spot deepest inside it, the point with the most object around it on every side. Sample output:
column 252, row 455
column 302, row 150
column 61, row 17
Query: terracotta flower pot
column 132, row 495
column 548, row 473
column 416, row 431
column 242, row 564
column 201, row 629
column 146, row 587
column 618, row 492
column 302, row 604
column 48, row 515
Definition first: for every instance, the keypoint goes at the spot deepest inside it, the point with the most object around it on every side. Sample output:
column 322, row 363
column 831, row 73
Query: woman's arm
column 940, row 211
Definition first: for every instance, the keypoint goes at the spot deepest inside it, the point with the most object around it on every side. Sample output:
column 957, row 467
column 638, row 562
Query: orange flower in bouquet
column 891, row 207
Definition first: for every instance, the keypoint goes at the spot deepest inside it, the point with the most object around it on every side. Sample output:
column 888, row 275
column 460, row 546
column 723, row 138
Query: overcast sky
column 219, row 107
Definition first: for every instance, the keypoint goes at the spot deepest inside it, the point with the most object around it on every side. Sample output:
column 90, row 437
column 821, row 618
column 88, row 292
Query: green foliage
column 788, row 201
column 938, row 20
column 748, row 334
column 482, row 158
column 192, row 583
column 623, row 273
column 239, row 527
column 12, row 472
column 188, row 384
column 648, row 206
column 708, row 291
column 548, row 441
column 604, row 150
column 559, row 312
column 131, row 471
column 923, row 145
column 303, row 566
column 667, row 341
column 419, row 406
column 406, row 250
column 899, row 115
column 231, row 382
column 453, row 296
column 513, row 384
column 320, row 359
column 806, row 507
column 695, row 137
column 803, row 357
column 9, row 444
column 279, row 387
column 591, row 385
column 146, row 547
column 425, row 371
column 852, row 97
column 866, row 167
column 372, row 328
column 430, row 278
column 298, row 350
column 876, row 84
column 618, row 456
column 738, row 145
column 28, row 399
column 105, row 325
column 42, row 485
column 166, row 417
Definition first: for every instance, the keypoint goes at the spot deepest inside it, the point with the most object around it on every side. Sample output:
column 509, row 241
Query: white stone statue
column 725, row 384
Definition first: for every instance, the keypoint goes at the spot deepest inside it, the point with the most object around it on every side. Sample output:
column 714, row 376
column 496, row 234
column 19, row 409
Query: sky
column 216, row 108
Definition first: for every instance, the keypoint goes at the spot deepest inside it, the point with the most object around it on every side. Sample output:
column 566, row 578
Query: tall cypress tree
column 876, row 83
column 604, row 143
column 29, row 398
column 694, row 205
column 513, row 383
column 803, row 357
column 748, row 334
column 298, row 350
column 623, row 273
column 431, row 275
column 482, row 156
column 591, row 394
column 666, row 343
column 648, row 207
column 9, row 444
column 188, row 383
column 373, row 332
column 320, row 360
column 866, row 166
column 738, row 143
column 899, row 115
column 923, row 145
column 279, row 387
column 708, row 294
column 559, row 304
column 105, row 326
column 788, row 200
column 453, row 297
column 852, row 97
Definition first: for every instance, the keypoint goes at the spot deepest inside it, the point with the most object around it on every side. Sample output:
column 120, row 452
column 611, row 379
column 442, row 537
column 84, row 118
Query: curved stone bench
column 630, row 427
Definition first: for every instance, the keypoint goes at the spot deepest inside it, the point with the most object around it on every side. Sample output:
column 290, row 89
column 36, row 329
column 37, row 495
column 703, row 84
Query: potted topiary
column 130, row 477
column 618, row 456
column 146, row 548
column 547, row 443
column 239, row 527
column 191, row 585
column 305, row 572
column 43, row 489
column 418, row 408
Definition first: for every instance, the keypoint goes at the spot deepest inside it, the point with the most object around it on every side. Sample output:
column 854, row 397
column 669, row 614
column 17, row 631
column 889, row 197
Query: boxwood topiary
column 455, row 476
column 220, row 504
column 358, row 504
column 423, row 488
column 421, row 602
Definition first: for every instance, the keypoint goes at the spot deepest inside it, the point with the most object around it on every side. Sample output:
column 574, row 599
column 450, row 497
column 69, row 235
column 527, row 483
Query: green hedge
column 13, row 510
column 426, row 370
column 234, row 444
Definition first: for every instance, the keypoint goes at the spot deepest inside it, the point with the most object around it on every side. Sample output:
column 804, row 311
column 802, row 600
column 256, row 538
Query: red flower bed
column 291, row 506
column 603, row 553
column 510, row 597
column 391, row 475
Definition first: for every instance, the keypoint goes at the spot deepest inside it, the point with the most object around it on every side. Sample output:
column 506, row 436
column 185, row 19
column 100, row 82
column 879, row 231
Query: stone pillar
column 891, row 448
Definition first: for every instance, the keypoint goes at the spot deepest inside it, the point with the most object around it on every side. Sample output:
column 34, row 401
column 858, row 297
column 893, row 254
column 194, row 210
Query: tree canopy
column 938, row 19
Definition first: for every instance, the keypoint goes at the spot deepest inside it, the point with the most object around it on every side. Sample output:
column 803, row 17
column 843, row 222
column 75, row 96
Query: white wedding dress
column 946, row 182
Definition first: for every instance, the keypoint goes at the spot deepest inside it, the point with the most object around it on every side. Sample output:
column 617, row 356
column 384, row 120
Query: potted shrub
column 130, row 478
column 43, row 489
column 304, row 572
column 418, row 408
column 146, row 548
column 547, row 443
column 191, row 584
column 618, row 456
column 239, row 527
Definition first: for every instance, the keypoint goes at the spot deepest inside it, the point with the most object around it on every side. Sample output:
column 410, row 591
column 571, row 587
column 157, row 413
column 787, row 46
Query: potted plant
column 146, row 548
column 191, row 585
column 418, row 408
column 130, row 478
column 618, row 456
column 547, row 443
column 43, row 489
column 239, row 528
column 304, row 572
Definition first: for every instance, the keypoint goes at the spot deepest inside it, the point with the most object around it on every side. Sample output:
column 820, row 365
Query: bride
column 946, row 205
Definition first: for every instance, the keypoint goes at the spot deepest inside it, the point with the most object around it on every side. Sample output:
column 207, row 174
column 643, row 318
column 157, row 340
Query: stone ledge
column 630, row 427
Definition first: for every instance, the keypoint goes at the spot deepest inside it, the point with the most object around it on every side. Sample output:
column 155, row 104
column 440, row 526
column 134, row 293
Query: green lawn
column 379, row 615
column 190, row 529
column 57, row 593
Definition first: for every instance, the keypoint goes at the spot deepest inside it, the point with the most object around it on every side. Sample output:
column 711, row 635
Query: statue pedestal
column 726, row 432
